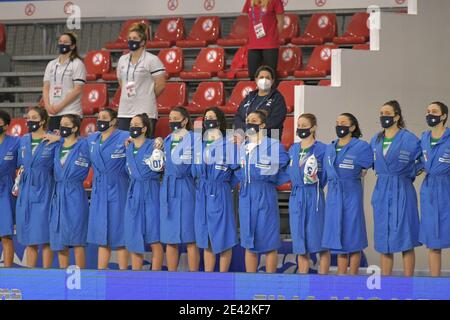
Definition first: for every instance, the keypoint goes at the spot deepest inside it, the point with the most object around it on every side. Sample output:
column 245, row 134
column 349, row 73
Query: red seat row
column 321, row 28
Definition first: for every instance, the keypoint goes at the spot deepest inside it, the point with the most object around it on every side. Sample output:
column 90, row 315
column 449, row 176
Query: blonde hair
column 141, row 29
column 263, row 3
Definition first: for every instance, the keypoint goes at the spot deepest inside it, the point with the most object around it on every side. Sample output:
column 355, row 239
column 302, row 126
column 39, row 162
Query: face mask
column 252, row 128
column 174, row 126
column 211, row 124
column 64, row 48
column 432, row 120
column 264, row 84
column 65, row 132
column 103, row 125
column 135, row 132
column 134, row 45
column 342, row 131
column 33, row 126
column 387, row 121
column 303, row 133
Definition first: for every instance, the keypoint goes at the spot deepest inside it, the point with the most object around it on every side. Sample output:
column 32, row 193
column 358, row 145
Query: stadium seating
column 238, row 94
column 88, row 126
column 162, row 128
column 324, row 83
column 94, row 97
column 364, row 46
column 2, row 38
column 288, row 132
column 290, row 28
column 174, row 95
column 289, row 60
column 208, row 94
column 114, row 104
column 321, row 28
column 169, row 31
column 173, row 60
column 319, row 64
column 17, row 127
column 357, row 31
column 206, row 30
column 208, row 63
column 97, row 63
column 121, row 42
column 238, row 35
column 286, row 88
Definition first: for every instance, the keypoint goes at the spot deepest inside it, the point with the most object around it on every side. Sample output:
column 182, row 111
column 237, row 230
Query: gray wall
column 412, row 66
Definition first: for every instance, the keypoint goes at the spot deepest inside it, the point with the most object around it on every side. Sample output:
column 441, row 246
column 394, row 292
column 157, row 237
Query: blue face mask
column 64, row 48
column 134, row 45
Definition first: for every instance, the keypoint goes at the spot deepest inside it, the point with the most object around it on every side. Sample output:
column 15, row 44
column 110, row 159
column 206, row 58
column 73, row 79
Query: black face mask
column 103, row 125
column 252, row 128
column 303, row 133
column 64, row 48
column 134, row 45
column 433, row 120
column 135, row 132
column 65, row 132
column 174, row 126
column 387, row 121
column 342, row 131
column 211, row 124
column 33, row 126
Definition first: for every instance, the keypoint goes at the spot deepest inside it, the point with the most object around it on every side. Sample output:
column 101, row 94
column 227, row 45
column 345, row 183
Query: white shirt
column 63, row 78
column 142, row 76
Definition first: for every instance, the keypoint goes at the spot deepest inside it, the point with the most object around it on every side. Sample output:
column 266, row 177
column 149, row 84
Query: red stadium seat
column 97, row 63
column 290, row 28
column 122, row 41
column 208, row 94
column 162, row 128
column 174, row 95
column 364, row 46
column 325, row 83
column 289, row 60
column 357, row 31
column 173, row 60
column 240, row 91
column 238, row 35
column 95, row 97
column 321, row 28
column 285, row 187
column 168, row 32
column 116, row 100
column 88, row 126
column 319, row 64
column 2, row 38
column 287, row 89
column 88, row 182
column 110, row 76
column 17, row 127
column 288, row 132
column 239, row 66
column 208, row 63
column 206, row 30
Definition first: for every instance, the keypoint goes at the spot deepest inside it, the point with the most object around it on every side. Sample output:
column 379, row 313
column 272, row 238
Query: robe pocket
column 215, row 203
column 37, row 191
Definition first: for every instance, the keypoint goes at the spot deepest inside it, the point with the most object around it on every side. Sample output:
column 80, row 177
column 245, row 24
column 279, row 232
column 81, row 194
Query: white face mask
column 264, row 84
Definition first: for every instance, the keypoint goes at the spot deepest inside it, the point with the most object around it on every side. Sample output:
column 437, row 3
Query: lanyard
column 64, row 72
column 135, row 67
column 261, row 15
column 247, row 105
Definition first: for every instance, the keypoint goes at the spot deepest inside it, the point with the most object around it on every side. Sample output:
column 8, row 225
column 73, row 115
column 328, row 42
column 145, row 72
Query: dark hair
column 141, row 29
column 444, row 109
column 76, row 122
column 220, row 117
column 5, row 116
column 311, row 118
column 265, row 68
column 146, row 122
column 186, row 115
column 262, row 115
column 42, row 114
column 398, row 112
column 112, row 113
column 354, row 122
column 73, row 39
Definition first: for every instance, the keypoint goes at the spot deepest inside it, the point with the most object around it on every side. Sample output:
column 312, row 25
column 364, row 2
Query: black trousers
column 124, row 124
column 53, row 123
column 262, row 57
